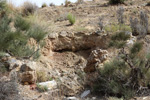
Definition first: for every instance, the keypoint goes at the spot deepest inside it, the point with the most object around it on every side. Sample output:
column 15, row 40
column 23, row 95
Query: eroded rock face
column 96, row 57
column 77, row 41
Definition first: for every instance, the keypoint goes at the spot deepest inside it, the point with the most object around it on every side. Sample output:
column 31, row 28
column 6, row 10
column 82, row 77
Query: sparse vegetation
column 71, row 19
column 42, row 88
column 80, row 29
column 115, row 28
column 119, row 39
column 41, row 76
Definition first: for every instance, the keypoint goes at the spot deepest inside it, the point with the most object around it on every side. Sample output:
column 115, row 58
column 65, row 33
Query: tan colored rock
column 96, row 57
column 28, row 77
column 78, row 41
column 13, row 63
column 66, row 90
column 27, row 73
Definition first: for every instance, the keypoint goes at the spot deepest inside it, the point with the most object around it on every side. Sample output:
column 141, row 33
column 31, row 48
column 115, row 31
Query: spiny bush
column 28, row 8
column 71, row 19
column 119, row 39
column 116, row 1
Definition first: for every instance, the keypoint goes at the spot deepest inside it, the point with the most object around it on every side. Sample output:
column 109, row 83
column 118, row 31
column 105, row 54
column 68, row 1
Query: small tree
column 16, row 42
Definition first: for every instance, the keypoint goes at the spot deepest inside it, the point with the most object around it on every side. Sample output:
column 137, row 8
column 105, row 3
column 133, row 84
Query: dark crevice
column 71, row 50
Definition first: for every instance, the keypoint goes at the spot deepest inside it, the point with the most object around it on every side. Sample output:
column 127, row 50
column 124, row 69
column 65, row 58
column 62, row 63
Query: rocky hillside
column 102, row 55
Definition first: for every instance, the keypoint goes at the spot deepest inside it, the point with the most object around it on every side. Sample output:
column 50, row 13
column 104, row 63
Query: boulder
column 28, row 77
column 63, row 34
column 12, row 63
column 27, row 73
column 67, row 90
column 96, row 57
column 50, row 84
column 53, row 35
column 85, row 93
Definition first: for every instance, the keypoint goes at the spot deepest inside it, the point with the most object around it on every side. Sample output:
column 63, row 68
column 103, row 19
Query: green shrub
column 44, row 5
column 123, row 76
column 3, row 8
column 119, row 39
column 22, row 24
column 42, row 88
column 37, row 33
column 71, row 18
column 16, row 42
column 136, row 47
column 116, row 1
column 115, row 27
column 3, row 5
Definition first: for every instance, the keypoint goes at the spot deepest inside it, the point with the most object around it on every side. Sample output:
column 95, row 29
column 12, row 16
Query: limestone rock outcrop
column 68, row 41
column 96, row 57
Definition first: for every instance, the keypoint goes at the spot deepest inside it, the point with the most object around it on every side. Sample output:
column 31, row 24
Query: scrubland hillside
column 88, row 50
